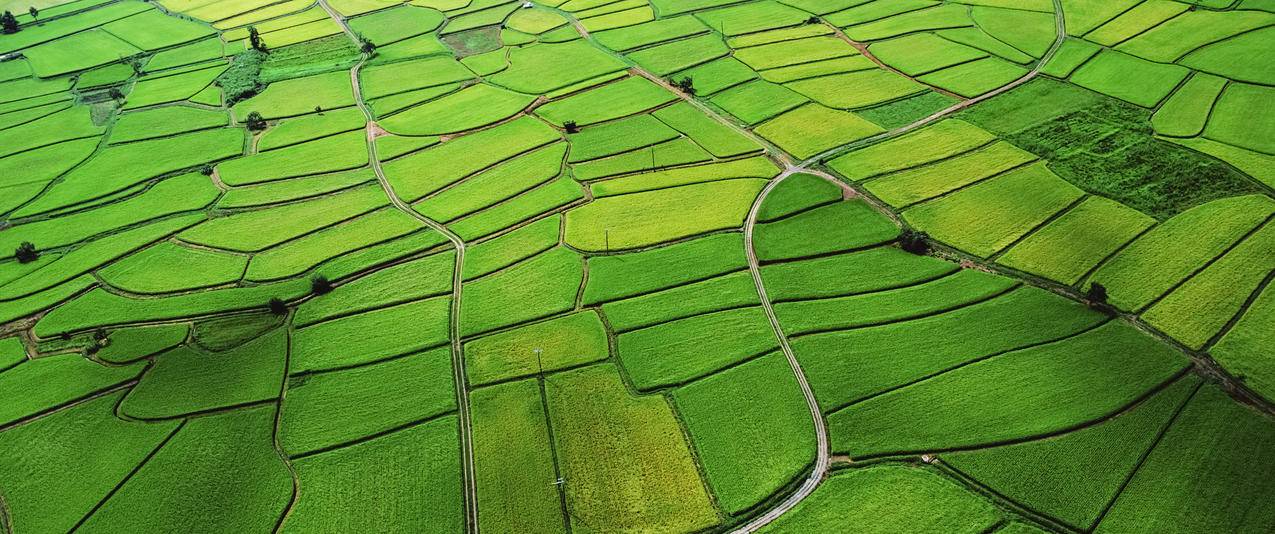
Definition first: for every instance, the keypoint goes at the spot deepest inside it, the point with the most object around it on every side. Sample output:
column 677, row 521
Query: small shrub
column 35, row 13
column 26, row 252
column 206, row 170
column 277, row 306
column 366, row 46
column 318, row 109
column 255, row 122
column 685, row 85
column 812, row 20
column 571, row 127
column 915, row 242
column 115, row 93
column 320, row 285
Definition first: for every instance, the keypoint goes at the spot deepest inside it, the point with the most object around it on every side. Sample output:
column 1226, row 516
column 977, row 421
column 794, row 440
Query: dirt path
column 458, row 359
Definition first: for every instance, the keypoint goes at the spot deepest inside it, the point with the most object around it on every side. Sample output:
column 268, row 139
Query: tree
column 26, row 253
column 812, row 20
column 1097, row 293
column 570, row 127
column 255, row 39
column 255, row 121
column 8, row 23
column 320, row 285
column 915, row 242
column 35, row 13
column 277, row 306
column 685, row 85
column 366, row 46
column 115, row 93
column 206, row 170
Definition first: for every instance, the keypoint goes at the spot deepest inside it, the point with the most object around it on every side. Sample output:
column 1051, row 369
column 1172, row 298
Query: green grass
column 940, row 141
column 757, row 101
column 185, row 193
column 1069, row 246
column 938, row 17
column 987, row 217
column 1025, row 393
column 165, row 121
column 1071, row 55
column 1187, row 111
column 1238, row 58
column 846, row 274
column 681, row 54
column 167, row 267
column 328, row 409
column 642, row 219
column 1213, row 435
column 715, row 137
column 793, row 52
column 371, row 335
column 515, row 246
column 960, row 289
column 219, row 473
column 646, row 161
column 724, row 292
column 1195, row 311
column 811, row 129
column 752, row 17
column 154, row 90
column 767, row 419
column 196, row 52
column 188, row 381
column 858, row 89
column 73, row 123
column 626, row 463
column 626, row 275
column 513, row 454
column 92, row 255
column 421, row 278
column 1072, row 477
column 687, row 349
column 12, row 352
column 921, row 53
column 473, row 107
column 889, row 498
column 846, row 366
column 1128, row 78
column 117, row 168
column 395, row 24
column 383, row 80
column 918, row 184
column 717, row 75
column 1135, row 21
column 257, row 230
column 55, row 381
column 153, row 30
column 975, row 78
column 1180, row 35
column 310, row 127
column 293, row 258
column 618, row 137
column 1243, row 350
column 77, row 52
column 542, row 68
column 629, row 96
column 1233, row 122
column 539, row 287
column 341, row 152
column 797, row 193
column 823, row 230
column 648, row 33
column 38, row 493
column 133, row 343
column 427, row 171
column 409, row 477
column 533, row 204
column 299, row 96
column 303, row 188
column 562, row 342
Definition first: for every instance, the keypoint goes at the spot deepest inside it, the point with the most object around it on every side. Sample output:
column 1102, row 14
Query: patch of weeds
column 243, row 79
column 335, row 52
column 474, row 42
column 906, row 111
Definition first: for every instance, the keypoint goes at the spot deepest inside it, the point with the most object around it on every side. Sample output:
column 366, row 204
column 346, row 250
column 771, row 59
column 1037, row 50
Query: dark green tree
column 915, row 242
column 320, row 285
column 277, row 306
column 1097, row 293
column 26, row 253
column 570, row 127
column 8, row 23
column 255, row 122
column 254, row 38
column 35, row 13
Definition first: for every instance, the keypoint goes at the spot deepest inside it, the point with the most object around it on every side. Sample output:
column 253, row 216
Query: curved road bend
column 458, row 359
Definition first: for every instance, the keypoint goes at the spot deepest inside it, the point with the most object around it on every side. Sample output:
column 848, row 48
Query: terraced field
column 982, row 266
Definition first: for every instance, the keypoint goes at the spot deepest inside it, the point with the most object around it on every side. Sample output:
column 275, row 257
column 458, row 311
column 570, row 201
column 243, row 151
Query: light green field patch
column 856, row 89
column 629, row 96
column 168, row 267
column 473, row 107
column 371, row 335
column 681, row 54
column 299, row 96
column 1071, row 245
column 1234, row 122
column 340, row 152
column 618, row 137
column 513, row 452
column 943, row 140
column 561, row 343
column 975, row 78
column 165, row 121
column 625, row 460
column 714, row 136
column 647, row 218
column 758, row 101
column 811, row 129
column 989, row 216
column 922, row 53
column 1187, row 111
column 918, row 184
column 539, row 287
column 311, row 127
column 1128, row 78
column 505, row 180
column 755, row 167
column 541, row 68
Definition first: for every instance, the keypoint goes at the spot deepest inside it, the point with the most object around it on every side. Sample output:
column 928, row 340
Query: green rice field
column 637, row 266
